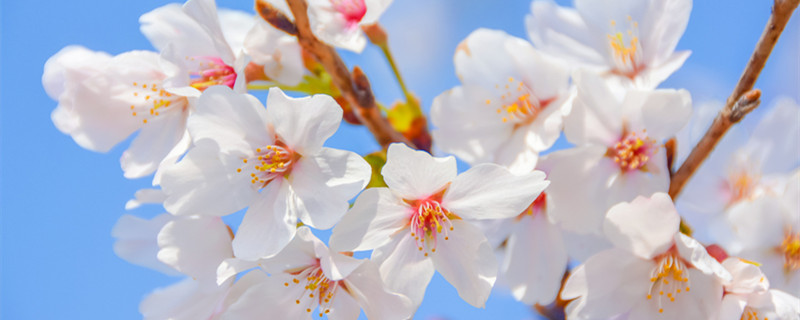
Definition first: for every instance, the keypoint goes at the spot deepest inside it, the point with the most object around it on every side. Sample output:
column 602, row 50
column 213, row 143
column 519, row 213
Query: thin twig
column 355, row 88
column 275, row 17
column 742, row 100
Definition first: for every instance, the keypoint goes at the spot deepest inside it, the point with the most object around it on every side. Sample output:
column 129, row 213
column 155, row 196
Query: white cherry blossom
column 747, row 295
column 339, row 22
column 308, row 279
column 618, row 153
column 420, row 223
column 103, row 99
column 278, row 52
column 510, row 105
column 767, row 230
column 271, row 160
column 653, row 271
column 631, row 41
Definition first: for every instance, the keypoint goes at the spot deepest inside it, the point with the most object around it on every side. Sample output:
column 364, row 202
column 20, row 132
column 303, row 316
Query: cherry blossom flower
column 308, row 279
column 338, row 22
column 510, row 106
column 103, row 99
column 419, row 223
column 767, row 230
column 618, row 152
column 278, row 52
column 271, row 160
column 192, row 246
column 739, row 172
column 652, row 272
column 747, row 295
column 632, row 42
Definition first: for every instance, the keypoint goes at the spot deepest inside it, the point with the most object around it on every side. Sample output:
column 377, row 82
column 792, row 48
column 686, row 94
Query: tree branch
column 354, row 87
column 742, row 100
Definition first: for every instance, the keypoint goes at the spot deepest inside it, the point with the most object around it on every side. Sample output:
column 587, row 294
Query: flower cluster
column 589, row 228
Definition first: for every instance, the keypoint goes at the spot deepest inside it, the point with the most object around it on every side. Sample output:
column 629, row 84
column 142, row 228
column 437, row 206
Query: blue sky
column 58, row 202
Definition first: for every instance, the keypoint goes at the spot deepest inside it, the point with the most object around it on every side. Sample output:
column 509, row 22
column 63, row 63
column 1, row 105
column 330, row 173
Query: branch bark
column 742, row 100
column 355, row 87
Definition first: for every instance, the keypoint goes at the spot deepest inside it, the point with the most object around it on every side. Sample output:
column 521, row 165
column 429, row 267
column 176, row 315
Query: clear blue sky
column 58, row 202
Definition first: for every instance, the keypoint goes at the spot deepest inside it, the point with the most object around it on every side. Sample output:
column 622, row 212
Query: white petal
column 170, row 25
column 143, row 196
column 181, row 301
column 343, row 307
column 416, row 174
column 195, row 246
column 696, row 254
column 303, row 123
column 366, row 287
column 732, row 306
column 654, row 75
column 69, row 66
column 481, row 60
column 299, row 253
column 336, row 266
column 467, row 262
column 775, row 141
column 562, row 33
column 236, row 122
column 278, row 52
column 271, row 297
column 376, row 215
column 155, row 141
column 404, row 269
column 324, row 183
column 664, row 112
column 746, row 277
column 645, row 226
column 235, row 25
column 607, row 284
column 136, row 241
column 466, row 125
column 666, row 22
column 536, row 260
column 596, row 116
column 757, row 224
column 204, row 12
column 201, row 184
column 267, row 226
column 231, row 267
column 489, row 191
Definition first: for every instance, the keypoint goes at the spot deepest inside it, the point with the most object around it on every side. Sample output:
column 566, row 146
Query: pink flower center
column 626, row 49
column 210, row 71
column 268, row 163
column 741, row 185
column 668, row 279
column 155, row 101
column 633, row 151
column 536, row 207
column 317, row 289
column 352, row 10
column 428, row 222
column 517, row 104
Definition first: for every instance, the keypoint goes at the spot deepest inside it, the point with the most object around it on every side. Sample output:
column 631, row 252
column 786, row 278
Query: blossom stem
column 742, row 100
column 377, row 35
column 355, row 90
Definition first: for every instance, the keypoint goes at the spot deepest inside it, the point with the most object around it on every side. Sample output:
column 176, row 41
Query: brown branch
column 275, row 17
column 355, row 88
column 742, row 100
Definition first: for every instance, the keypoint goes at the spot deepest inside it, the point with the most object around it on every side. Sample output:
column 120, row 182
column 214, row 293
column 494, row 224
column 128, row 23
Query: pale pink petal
column 231, row 267
column 666, row 22
column 136, row 241
column 69, row 67
column 200, row 184
column 303, row 123
column 604, row 285
column 155, row 141
column 596, row 116
column 278, row 52
column 184, row 300
column 562, row 33
column 467, row 262
column 195, row 247
column 535, row 261
column 665, row 112
column 416, row 174
column 271, row 297
column 267, row 227
column 403, row 267
column 235, row 25
column 366, row 287
column 480, row 60
column 204, row 12
column 732, row 307
column 299, row 253
column 333, row 28
column 694, row 252
column 343, row 306
column 489, row 191
column 376, row 215
column 169, row 24
column 645, row 226
column 145, row 196
column 236, row 122
column 746, row 277
column 324, row 183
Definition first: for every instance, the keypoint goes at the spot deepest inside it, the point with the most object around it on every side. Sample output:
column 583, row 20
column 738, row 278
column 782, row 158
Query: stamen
column 670, row 278
column 268, row 163
column 430, row 220
column 790, row 247
column 626, row 48
column 210, row 71
column 518, row 103
column 633, row 151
